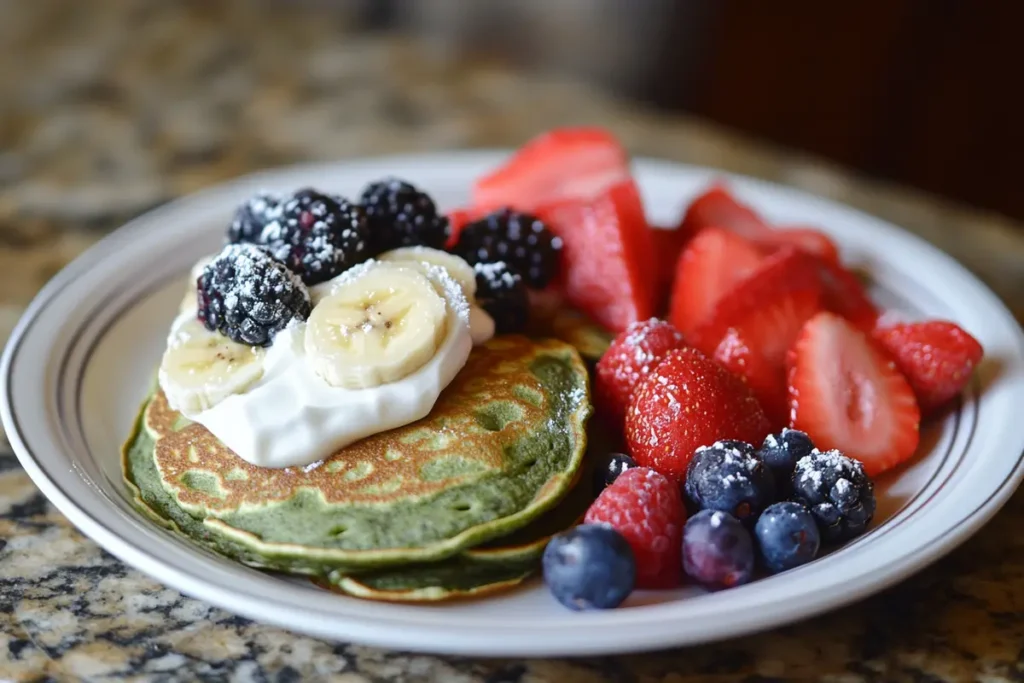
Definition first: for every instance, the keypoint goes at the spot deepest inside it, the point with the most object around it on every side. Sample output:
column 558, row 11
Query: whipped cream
column 291, row 417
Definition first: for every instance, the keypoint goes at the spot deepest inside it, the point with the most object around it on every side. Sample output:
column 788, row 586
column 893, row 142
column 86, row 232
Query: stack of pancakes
column 460, row 503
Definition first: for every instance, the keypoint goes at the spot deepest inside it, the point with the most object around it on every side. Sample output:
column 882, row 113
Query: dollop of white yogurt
column 291, row 417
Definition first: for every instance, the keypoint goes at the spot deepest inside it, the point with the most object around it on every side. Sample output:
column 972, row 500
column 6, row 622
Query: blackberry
column 838, row 493
column 787, row 536
column 501, row 293
column 252, row 217
column 519, row 239
column 781, row 452
column 248, row 296
column 400, row 215
column 727, row 477
column 317, row 236
column 609, row 470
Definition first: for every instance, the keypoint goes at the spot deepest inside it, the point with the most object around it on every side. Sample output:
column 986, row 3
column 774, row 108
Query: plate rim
column 167, row 573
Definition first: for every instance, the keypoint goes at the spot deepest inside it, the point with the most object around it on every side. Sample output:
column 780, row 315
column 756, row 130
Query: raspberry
column 633, row 354
column 647, row 509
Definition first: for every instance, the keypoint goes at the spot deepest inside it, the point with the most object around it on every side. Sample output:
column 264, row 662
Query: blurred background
column 123, row 104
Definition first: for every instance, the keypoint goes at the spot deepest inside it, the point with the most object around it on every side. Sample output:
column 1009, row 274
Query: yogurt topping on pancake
column 291, row 417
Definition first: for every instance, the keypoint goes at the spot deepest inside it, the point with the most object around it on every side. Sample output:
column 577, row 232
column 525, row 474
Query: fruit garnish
column 502, row 293
column 252, row 217
column 807, row 239
column 460, row 218
column 712, row 264
column 610, row 469
column 520, row 240
column 716, row 207
column 589, row 567
column 787, row 536
column 607, row 255
column 780, row 452
column 401, row 215
column 317, row 235
column 376, row 327
column 668, row 245
column 249, row 296
column 937, row 358
column 844, row 295
column 726, row 476
column 718, row 551
column 577, row 163
column 847, row 394
column 647, row 509
column 686, row 402
column 754, row 325
column 633, row 354
column 837, row 491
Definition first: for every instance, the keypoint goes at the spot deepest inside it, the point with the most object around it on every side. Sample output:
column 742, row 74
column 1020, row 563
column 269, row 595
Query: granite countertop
column 108, row 113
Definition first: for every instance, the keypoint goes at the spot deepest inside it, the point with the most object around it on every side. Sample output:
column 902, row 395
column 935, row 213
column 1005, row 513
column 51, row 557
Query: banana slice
column 201, row 368
column 375, row 328
column 188, row 304
column 460, row 271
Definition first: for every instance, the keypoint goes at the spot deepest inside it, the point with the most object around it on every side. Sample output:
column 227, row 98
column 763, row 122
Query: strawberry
column 667, row 245
column 717, row 208
column 633, row 354
column 689, row 401
column 607, row 255
column 844, row 295
column 808, row 239
column 846, row 394
column 713, row 262
column 647, row 509
column 564, row 163
column 753, row 326
column 936, row 357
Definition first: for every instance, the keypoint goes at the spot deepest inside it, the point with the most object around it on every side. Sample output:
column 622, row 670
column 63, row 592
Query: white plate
column 80, row 362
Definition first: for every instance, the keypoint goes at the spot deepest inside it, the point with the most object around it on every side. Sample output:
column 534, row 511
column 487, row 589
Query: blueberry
column 837, row 491
column 589, row 567
column 610, row 469
column 780, row 452
column 727, row 477
column 787, row 536
column 718, row 551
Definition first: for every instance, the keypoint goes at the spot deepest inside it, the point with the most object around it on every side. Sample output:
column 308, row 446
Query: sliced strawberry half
column 607, row 255
column 718, row 208
column 564, row 163
column 846, row 394
column 808, row 239
column 755, row 324
column 937, row 358
column 714, row 262
column 844, row 295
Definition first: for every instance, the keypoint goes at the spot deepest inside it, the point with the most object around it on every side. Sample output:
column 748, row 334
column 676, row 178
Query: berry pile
column 401, row 215
column 737, row 520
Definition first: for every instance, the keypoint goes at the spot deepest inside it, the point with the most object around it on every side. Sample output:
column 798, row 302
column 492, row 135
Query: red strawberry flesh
column 846, row 394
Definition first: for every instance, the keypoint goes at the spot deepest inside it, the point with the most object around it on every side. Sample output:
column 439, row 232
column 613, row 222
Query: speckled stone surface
column 108, row 109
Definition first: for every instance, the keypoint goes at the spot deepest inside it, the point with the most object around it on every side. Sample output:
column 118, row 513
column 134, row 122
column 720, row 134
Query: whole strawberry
column 633, row 354
column 936, row 357
column 689, row 401
column 647, row 509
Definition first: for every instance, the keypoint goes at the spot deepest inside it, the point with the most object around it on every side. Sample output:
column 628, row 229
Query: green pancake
column 574, row 328
column 500, row 447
